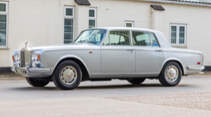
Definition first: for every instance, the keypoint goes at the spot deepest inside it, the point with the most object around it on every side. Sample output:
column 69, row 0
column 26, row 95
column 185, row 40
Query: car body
column 108, row 53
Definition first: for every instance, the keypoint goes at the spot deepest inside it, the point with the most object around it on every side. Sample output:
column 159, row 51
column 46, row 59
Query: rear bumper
column 32, row 72
column 195, row 69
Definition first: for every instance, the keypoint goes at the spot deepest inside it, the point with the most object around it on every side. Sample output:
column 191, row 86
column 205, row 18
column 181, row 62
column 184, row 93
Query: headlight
column 36, row 60
column 16, row 58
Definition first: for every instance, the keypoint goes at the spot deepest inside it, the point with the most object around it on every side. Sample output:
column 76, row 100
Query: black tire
column 58, row 81
column 38, row 82
column 163, row 78
column 136, row 81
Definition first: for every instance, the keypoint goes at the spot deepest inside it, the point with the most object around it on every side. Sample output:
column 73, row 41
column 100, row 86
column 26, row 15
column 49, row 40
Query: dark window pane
column 3, row 27
column 3, row 18
column 68, row 31
column 173, row 34
column 2, row 38
column 69, row 12
column 3, row 30
column 129, row 25
column 68, row 37
column 91, row 23
column 68, row 22
column 182, row 35
column 91, row 13
column 2, row 7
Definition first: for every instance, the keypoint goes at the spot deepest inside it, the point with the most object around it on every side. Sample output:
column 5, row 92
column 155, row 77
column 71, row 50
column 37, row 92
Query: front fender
column 70, row 57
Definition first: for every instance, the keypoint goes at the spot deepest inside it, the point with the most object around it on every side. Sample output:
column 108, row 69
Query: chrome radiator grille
column 24, row 58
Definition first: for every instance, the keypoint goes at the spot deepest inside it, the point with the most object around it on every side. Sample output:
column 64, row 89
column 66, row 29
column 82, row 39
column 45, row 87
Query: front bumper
column 32, row 72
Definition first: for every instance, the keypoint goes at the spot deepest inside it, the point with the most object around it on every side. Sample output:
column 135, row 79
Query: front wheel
column 38, row 82
column 68, row 75
column 171, row 74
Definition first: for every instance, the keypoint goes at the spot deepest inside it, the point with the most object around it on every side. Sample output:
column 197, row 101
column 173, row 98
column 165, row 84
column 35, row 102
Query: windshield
column 93, row 36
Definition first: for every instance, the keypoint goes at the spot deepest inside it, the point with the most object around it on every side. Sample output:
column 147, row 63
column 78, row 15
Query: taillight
column 198, row 63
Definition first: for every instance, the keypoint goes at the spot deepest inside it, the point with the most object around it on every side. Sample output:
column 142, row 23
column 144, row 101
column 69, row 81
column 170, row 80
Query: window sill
column 4, row 48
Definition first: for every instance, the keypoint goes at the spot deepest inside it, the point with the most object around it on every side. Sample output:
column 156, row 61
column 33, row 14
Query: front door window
column 118, row 38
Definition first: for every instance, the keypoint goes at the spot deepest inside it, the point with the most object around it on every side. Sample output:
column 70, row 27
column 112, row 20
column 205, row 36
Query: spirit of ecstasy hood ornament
column 26, row 44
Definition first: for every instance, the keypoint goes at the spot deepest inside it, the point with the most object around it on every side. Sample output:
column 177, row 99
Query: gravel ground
column 192, row 98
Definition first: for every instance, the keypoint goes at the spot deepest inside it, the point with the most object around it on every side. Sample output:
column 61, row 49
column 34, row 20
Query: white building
column 186, row 23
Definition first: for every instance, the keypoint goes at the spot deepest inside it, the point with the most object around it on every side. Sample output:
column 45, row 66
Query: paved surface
column 192, row 98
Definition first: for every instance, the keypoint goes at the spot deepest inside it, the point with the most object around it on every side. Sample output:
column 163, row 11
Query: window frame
column 92, row 18
column 107, row 37
column 132, row 39
column 68, row 17
column 177, row 25
column 5, row 13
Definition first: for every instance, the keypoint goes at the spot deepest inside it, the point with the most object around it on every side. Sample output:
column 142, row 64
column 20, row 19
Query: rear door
column 148, row 54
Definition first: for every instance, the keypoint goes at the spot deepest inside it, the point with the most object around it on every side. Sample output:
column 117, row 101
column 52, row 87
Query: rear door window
column 144, row 39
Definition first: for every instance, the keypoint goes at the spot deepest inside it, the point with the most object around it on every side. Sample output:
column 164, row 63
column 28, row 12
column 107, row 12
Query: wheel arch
column 79, row 61
column 174, row 60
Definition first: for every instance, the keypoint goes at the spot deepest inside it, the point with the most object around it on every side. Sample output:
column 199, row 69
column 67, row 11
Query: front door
column 117, row 54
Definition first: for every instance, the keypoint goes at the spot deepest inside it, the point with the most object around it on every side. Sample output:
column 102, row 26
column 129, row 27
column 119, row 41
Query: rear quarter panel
column 185, row 57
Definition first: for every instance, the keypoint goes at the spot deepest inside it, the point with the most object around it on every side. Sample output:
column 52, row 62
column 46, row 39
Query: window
column 129, row 23
column 92, row 17
column 68, row 24
column 178, row 34
column 144, row 39
column 118, row 38
column 3, row 24
column 91, row 36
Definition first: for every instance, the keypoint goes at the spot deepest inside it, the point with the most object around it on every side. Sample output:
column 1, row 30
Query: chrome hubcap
column 172, row 73
column 68, row 75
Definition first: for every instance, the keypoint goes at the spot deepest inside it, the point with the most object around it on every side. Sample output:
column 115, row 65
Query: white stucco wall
column 198, row 24
column 41, row 22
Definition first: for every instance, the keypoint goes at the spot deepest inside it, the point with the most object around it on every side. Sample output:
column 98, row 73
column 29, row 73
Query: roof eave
column 180, row 3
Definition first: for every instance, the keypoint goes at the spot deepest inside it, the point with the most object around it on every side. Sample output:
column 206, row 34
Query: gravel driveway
column 192, row 98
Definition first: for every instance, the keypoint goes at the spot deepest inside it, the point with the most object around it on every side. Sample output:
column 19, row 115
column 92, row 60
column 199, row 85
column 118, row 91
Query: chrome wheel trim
column 68, row 75
column 172, row 73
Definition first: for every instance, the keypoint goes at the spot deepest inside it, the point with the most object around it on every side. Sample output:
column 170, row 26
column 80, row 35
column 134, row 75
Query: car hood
column 62, row 47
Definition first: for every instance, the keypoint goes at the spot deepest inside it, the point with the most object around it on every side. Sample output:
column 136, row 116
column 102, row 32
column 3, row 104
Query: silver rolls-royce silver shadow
column 98, row 54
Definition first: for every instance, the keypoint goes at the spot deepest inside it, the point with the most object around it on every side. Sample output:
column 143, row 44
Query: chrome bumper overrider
column 32, row 72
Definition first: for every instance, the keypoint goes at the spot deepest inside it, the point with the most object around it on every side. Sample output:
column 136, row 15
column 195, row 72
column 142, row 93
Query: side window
column 118, row 38
column 144, row 39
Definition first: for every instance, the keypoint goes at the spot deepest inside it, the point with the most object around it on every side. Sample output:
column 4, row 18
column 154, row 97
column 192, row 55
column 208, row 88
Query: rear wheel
column 171, row 74
column 38, row 82
column 68, row 75
column 136, row 81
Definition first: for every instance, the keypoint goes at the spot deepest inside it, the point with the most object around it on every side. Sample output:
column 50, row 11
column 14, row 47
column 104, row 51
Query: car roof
column 126, row 28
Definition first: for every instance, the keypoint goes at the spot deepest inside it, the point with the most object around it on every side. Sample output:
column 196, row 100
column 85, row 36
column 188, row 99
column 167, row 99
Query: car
column 103, row 54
